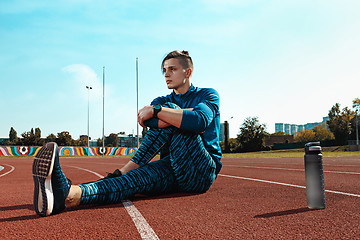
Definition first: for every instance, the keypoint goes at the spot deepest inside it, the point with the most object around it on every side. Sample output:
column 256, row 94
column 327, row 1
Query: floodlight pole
column 88, row 130
column 103, row 137
column 137, row 101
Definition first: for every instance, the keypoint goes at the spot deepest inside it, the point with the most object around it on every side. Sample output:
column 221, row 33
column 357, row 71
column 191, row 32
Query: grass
column 293, row 153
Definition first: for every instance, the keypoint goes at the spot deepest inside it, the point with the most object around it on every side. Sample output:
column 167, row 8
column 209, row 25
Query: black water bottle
column 314, row 175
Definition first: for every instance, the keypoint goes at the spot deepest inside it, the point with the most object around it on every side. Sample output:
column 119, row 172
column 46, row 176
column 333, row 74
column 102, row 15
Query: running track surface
column 250, row 199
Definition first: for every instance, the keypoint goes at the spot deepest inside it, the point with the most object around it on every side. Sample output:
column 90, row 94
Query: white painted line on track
column 297, row 164
column 286, row 184
column 87, row 170
column 12, row 169
column 143, row 227
column 355, row 173
column 146, row 232
column 290, row 169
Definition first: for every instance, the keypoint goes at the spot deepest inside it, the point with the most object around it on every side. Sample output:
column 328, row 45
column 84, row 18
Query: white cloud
column 84, row 76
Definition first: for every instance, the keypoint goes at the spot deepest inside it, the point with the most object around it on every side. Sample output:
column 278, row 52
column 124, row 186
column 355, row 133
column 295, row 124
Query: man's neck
column 183, row 89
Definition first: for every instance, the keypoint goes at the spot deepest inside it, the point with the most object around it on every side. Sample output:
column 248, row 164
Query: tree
column 321, row 134
column 251, row 136
column 51, row 138
column 64, row 139
column 83, row 141
column 233, row 145
column 28, row 138
column 306, row 135
column 112, row 140
column 31, row 138
column 356, row 103
column 13, row 139
column 340, row 123
column 38, row 140
column 318, row 133
column 99, row 142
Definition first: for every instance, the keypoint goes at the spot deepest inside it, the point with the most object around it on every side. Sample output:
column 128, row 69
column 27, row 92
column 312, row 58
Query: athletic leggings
column 184, row 166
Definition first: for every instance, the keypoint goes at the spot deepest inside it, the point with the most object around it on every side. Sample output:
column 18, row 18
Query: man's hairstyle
column 183, row 57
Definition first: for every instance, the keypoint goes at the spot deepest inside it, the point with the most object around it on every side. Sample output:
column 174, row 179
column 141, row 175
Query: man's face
column 175, row 74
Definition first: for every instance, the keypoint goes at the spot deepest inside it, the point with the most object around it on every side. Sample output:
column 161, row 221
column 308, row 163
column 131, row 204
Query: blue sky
column 282, row 61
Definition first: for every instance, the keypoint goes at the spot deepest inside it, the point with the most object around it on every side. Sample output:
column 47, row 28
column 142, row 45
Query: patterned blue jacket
column 203, row 119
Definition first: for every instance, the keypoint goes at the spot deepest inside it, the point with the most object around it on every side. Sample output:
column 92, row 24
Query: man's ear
column 188, row 72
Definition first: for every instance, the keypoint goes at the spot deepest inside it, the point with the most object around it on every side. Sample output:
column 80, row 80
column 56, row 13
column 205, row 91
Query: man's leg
column 51, row 187
column 154, row 178
column 193, row 166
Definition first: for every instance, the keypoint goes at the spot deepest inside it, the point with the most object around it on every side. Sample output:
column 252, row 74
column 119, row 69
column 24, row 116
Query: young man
column 184, row 128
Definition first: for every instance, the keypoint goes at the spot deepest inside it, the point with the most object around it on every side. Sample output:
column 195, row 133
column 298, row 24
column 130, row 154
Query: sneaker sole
column 42, row 169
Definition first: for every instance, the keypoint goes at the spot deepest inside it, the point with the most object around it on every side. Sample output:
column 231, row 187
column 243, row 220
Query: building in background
column 291, row 129
column 222, row 132
column 3, row 139
column 128, row 140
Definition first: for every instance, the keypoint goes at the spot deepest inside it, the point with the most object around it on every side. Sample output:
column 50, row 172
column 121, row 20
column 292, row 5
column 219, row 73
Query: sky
column 281, row 61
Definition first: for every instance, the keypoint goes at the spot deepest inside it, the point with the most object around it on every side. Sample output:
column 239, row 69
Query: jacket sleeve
column 159, row 100
column 154, row 122
column 198, row 119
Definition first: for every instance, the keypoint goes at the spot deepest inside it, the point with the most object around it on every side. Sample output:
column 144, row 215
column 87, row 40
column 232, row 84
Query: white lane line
column 143, row 227
column 279, row 163
column 355, row 173
column 286, row 184
column 146, row 232
column 291, row 169
column 12, row 169
column 87, row 170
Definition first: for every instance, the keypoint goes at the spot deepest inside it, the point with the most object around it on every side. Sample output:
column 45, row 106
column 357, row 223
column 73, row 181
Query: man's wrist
column 156, row 109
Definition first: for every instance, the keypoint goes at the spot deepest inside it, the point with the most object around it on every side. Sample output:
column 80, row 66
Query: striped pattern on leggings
column 184, row 166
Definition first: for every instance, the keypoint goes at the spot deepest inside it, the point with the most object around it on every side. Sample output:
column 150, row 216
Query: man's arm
column 167, row 116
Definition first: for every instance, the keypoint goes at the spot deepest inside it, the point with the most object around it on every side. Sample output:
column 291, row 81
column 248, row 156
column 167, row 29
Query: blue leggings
column 184, row 166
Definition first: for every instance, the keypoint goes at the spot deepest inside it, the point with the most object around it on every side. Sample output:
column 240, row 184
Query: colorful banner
column 68, row 151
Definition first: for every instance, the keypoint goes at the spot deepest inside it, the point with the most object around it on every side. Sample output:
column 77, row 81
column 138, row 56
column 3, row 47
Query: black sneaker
column 51, row 186
column 116, row 173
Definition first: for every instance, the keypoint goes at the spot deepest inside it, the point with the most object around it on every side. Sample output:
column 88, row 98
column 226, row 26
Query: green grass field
column 289, row 154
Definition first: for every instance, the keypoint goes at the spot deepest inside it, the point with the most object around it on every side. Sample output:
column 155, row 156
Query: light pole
column 137, row 101
column 103, row 136
column 88, row 123
column 357, row 133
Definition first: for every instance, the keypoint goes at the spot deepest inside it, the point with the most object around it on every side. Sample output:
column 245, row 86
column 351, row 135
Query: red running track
column 240, row 205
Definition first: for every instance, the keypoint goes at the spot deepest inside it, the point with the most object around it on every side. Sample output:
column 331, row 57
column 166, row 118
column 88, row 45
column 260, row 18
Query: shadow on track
column 284, row 213
column 17, row 207
column 18, row 218
column 140, row 197
column 137, row 197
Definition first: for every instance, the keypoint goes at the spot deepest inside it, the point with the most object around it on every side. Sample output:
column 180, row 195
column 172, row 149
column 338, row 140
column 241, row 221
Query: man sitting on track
column 184, row 128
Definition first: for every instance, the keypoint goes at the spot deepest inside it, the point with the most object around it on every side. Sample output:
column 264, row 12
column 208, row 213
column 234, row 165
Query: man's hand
column 167, row 116
column 144, row 114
